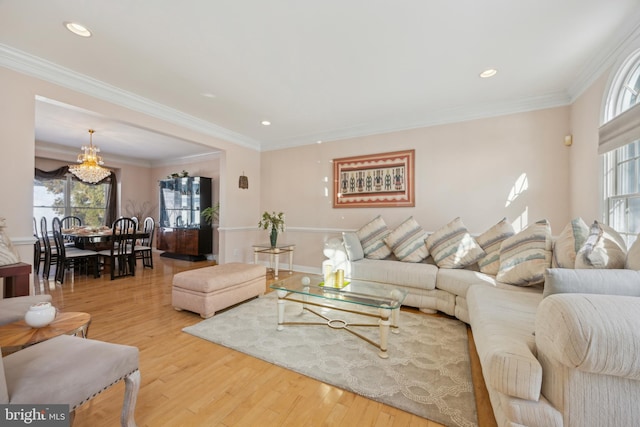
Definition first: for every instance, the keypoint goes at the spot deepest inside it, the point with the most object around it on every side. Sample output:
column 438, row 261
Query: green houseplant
column 210, row 214
column 272, row 221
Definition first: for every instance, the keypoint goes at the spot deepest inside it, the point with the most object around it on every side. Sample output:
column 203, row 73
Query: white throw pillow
column 490, row 242
column 604, row 248
column 407, row 241
column 633, row 256
column 372, row 237
column 353, row 246
column 453, row 247
column 525, row 256
column 569, row 242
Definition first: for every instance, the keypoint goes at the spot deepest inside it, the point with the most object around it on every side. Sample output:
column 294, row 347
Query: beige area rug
column 427, row 372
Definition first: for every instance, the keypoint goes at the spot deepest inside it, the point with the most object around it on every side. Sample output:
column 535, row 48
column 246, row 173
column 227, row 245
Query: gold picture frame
column 375, row 180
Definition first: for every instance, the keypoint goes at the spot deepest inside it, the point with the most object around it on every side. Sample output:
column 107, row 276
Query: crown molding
column 25, row 63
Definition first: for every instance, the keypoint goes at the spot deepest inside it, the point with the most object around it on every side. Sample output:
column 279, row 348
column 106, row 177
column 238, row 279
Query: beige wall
column 585, row 164
column 515, row 166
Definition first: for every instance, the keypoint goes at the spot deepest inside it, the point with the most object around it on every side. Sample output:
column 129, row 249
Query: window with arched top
column 620, row 143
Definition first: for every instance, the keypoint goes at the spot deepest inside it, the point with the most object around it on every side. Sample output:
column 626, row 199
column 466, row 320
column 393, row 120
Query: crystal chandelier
column 90, row 168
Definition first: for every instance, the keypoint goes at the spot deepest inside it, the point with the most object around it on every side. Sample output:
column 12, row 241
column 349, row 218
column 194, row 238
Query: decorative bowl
column 40, row 315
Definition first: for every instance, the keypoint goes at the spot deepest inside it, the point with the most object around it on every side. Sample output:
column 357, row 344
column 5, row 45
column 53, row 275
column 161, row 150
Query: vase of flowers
column 272, row 221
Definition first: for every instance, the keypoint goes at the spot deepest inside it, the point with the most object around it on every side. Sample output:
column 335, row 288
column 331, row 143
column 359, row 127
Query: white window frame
column 616, row 137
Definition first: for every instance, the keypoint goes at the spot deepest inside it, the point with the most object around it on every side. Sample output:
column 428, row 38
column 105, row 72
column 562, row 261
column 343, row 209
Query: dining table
column 94, row 238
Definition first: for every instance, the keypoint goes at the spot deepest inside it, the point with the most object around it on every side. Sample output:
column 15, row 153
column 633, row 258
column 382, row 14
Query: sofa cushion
column 503, row 322
column 633, row 255
column 592, row 281
column 407, row 241
column 490, row 242
column 604, row 248
column 570, row 240
column 372, row 237
column 406, row 274
column 458, row 281
column 453, row 247
column 525, row 256
column 353, row 246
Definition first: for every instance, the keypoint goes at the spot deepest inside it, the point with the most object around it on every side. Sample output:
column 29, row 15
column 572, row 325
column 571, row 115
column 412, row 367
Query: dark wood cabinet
column 182, row 233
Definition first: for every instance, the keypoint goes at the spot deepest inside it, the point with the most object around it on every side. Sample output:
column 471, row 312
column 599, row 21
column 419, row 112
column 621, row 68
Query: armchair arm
column 592, row 333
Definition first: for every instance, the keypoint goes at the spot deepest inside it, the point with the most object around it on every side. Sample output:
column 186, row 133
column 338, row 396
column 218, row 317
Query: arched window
column 620, row 144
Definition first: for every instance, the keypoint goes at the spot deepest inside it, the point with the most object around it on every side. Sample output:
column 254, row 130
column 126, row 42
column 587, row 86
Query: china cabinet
column 182, row 233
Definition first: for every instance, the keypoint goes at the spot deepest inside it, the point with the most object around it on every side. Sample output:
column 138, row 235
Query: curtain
column 620, row 131
column 111, row 213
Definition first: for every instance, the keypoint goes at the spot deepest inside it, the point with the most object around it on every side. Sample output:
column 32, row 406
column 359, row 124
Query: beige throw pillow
column 525, row 256
column 569, row 242
column 633, row 256
column 407, row 241
column 604, row 248
column 490, row 242
column 453, row 247
column 372, row 237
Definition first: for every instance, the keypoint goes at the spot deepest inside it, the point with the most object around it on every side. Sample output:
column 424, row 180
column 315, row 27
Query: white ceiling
column 318, row 70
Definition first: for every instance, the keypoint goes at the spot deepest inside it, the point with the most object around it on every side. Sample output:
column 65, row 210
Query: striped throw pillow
column 525, row 256
column 604, row 248
column 570, row 240
column 490, row 242
column 407, row 241
column 372, row 237
column 453, row 247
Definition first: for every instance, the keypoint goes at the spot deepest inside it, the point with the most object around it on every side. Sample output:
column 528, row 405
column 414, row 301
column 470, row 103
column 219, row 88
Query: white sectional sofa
column 553, row 353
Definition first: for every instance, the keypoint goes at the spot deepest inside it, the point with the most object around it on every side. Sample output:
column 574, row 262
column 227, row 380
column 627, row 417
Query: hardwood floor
column 187, row 381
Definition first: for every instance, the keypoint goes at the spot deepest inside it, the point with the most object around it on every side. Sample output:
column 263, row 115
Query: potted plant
column 211, row 213
column 272, row 221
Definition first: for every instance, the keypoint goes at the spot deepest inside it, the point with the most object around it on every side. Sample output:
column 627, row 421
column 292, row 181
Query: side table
column 16, row 279
column 274, row 254
column 18, row 335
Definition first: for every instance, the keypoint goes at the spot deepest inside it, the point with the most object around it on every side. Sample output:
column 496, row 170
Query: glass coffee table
column 365, row 299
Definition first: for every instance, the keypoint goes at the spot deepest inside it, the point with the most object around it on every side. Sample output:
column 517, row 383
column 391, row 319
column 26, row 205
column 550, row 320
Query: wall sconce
column 243, row 182
column 568, row 140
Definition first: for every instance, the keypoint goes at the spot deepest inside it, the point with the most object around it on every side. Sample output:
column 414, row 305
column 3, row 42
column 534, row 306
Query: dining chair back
column 69, row 222
column 121, row 255
column 50, row 253
column 38, row 250
column 70, row 257
column 144, row 248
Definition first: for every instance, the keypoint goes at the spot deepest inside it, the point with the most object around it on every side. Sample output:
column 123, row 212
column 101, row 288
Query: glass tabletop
column 357, row 292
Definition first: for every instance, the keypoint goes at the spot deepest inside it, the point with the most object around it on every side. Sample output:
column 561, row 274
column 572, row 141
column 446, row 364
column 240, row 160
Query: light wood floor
column 187, row 381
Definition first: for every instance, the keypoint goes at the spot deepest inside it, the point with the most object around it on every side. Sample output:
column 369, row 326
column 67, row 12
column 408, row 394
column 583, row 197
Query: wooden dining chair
column 70, row 257
column 50, row 252
column 38, row 250
column 69, row 222
column 144, row 248
column 121, row 256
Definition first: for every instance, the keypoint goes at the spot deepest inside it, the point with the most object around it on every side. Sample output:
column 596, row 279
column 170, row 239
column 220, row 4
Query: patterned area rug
column 427, row 372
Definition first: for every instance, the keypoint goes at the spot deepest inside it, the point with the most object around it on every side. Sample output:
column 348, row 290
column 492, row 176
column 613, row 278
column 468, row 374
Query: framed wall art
column 375, row 180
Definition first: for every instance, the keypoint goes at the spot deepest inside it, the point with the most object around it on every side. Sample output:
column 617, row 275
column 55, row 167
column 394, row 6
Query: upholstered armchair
column 70, row 370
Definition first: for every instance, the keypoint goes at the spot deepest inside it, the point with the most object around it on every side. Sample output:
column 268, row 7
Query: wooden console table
column 16, row 279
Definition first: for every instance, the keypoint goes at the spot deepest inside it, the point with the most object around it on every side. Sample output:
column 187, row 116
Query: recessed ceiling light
column 78, row 29
column 208, row 95
column 266, row 122
column 489, row 72
column 319, row 142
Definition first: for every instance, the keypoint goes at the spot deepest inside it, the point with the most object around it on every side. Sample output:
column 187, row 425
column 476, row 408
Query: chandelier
column 90, row 168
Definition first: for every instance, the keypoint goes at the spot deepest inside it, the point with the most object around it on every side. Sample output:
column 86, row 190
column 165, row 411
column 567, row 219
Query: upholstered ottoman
column 209, row 289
